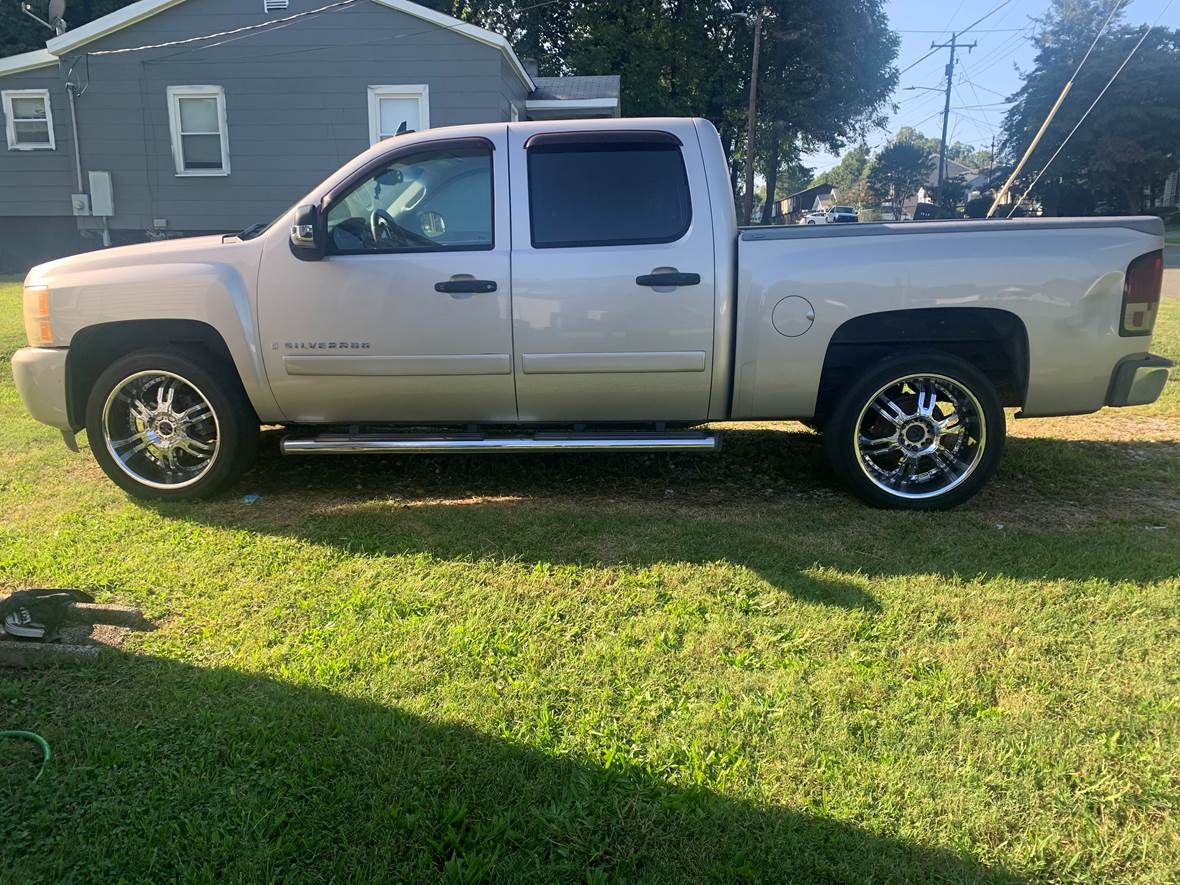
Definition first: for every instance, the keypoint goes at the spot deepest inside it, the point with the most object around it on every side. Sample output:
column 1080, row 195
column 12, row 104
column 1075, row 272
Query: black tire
column 231, row 430
column 977, row 449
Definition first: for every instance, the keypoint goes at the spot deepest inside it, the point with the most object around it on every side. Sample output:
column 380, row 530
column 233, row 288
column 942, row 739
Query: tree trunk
column 772, row 152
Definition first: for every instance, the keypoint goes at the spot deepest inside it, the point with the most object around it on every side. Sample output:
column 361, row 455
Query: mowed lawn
column 593, row 668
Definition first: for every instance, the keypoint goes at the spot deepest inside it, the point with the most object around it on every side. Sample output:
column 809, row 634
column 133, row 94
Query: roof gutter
column 27, row 61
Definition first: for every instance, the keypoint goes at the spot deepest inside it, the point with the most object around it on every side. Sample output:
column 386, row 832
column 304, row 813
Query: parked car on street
column 835, row 215
column 583, row 286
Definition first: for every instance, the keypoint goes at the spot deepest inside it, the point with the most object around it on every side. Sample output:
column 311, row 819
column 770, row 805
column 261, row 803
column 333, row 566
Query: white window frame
column 419, row 91
column 6, row 98
column 175, row 93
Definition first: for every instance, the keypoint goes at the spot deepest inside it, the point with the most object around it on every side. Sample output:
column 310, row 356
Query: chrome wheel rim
column 920, row 436
column 161, row 430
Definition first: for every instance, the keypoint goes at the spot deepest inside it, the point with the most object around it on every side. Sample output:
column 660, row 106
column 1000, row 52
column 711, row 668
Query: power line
column 1097, row 99
column 379, row 40
column 918, row 62
column 985, row 16
column 1006, row 48
column 975, row 86
column 268, row 25
column 947, row 31
column 1060, row 100
column 280, row 23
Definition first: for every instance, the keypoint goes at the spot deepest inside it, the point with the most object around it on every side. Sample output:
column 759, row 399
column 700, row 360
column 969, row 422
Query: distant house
column 790, row 209
column 126, row 128
column 926, row 193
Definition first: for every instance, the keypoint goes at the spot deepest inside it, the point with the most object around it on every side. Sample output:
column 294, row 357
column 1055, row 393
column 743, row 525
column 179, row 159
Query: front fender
column 216, row 293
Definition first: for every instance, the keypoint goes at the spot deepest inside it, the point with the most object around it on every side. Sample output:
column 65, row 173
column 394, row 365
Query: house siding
column 513, row 92
column 296, row 106
column 39, row 183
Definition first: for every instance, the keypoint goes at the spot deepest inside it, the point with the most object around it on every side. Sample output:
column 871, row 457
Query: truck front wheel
column 922, row 431
column 170, row 426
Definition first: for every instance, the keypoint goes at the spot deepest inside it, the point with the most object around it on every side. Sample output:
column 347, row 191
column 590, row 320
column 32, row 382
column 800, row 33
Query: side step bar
column 376, row 444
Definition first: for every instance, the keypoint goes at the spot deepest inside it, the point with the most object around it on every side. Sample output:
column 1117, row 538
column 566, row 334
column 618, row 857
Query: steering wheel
column 383, row 228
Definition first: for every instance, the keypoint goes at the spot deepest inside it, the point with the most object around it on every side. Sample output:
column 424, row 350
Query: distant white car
column 835, row 215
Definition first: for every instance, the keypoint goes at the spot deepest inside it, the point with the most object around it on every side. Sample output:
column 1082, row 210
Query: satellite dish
column 57, row 11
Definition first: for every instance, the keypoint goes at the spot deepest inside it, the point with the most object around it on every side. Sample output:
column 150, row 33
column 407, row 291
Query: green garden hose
column 38, row 740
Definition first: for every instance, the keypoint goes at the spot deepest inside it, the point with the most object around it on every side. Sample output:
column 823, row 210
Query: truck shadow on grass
column 220, row 775
column 767, row 504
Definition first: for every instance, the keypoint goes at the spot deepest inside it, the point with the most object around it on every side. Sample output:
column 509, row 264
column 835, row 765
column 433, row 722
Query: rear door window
column 623, row 189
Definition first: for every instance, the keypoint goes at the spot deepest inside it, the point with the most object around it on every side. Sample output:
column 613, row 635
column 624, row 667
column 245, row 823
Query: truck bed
column 1057, row 280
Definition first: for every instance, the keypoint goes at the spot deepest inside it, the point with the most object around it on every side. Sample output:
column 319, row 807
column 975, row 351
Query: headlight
column 38, row 329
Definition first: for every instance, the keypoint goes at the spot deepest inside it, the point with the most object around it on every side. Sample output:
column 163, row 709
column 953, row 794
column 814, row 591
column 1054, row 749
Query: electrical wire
column 278, row 24
column 302, row 50
column 1003, row 191
column 949, row 31
column 1004, row 49
column 1097, row 99
column 984, row 17
column 267, row 25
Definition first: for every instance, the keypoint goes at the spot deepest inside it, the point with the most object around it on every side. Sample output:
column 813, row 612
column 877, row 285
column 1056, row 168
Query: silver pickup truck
column 583, row 285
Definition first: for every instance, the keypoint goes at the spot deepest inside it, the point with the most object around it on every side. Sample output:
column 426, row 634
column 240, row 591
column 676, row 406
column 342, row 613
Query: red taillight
column 1141, row 294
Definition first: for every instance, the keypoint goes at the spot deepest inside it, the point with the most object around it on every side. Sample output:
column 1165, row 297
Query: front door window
column 439, row 199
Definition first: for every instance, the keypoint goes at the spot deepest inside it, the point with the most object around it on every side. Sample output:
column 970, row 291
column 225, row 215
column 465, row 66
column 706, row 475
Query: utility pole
column 748, row 201
column 953, row 46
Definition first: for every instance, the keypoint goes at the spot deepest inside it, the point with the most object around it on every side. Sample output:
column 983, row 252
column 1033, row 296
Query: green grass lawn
column 600, row 668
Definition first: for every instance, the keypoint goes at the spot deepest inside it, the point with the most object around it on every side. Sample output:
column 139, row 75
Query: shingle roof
column 575, row 88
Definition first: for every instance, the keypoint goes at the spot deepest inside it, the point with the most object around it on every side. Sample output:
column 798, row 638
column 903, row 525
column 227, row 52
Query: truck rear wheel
column 170, row 426
column 922, row 431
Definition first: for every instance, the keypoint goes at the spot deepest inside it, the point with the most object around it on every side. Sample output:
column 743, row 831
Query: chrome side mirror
column 308, row 237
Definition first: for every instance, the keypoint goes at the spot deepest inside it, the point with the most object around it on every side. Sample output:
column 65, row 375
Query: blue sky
column 982, row 77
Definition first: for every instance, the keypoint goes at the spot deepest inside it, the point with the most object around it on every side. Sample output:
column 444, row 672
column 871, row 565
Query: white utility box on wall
column 102, row 195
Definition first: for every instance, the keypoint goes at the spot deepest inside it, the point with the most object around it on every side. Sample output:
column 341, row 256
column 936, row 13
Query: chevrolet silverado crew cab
column 583, row 285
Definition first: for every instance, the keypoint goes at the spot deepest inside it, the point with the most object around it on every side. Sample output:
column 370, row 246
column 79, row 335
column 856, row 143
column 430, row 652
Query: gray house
column 173, row 117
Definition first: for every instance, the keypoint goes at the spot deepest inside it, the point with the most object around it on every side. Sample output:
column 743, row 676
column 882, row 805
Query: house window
column 28, row 119
column 200, row 141
column 397, row 108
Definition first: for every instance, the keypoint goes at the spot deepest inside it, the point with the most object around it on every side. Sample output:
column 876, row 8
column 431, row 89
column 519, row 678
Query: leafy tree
column 979, row 159
column 848, row 171
column 978, row 206
column 848, row 176
column 971, row 157
column 898, row 171
column 952, row 193
column 826, row 76
column 1131, row 141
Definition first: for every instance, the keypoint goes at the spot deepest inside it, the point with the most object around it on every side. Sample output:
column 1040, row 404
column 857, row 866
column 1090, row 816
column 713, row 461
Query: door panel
column 594, row 341
column 365, row 335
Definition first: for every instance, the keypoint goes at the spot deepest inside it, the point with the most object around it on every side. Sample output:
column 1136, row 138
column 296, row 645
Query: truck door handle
column 465, row 286
column 668, row 279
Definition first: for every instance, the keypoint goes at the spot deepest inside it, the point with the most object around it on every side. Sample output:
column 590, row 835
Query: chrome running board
column 379, row 443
